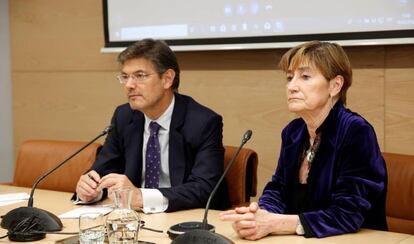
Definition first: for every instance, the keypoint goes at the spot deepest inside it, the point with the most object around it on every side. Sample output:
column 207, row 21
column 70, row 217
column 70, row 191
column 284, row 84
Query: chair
column 36, row 157
column 400, row 195
column 242, row 175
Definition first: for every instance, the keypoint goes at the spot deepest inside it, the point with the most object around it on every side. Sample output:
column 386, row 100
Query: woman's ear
column 168, row 78
column 335, row 85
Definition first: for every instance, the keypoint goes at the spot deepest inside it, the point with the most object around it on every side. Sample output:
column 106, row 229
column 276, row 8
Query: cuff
column 153, row 201
column 308, row 231
column 77, row 201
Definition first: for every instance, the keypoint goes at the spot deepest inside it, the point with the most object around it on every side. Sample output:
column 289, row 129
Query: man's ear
column 168, row 78
column 336, row 85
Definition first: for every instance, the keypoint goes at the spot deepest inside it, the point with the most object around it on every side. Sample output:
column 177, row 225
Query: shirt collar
column 165, row 119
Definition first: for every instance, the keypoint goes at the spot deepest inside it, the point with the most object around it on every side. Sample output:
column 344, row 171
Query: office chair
column 242, row 175
column 400, row 194
column 36, row 157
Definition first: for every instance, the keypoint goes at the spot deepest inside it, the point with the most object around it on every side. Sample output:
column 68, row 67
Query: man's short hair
column 156, row 51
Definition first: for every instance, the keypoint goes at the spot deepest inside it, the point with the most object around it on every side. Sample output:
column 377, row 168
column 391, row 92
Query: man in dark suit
column 165, row 146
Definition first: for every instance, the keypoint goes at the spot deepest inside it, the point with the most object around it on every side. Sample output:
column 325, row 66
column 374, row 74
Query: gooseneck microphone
column 202, row 232
column 30, row 223
column 246, row 137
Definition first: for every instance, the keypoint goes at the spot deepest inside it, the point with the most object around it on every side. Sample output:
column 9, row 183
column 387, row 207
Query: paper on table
column 11, row 198
column 75, row 213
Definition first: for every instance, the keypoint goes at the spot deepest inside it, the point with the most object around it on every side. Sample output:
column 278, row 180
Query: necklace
column 308, row 157
column 310, row 153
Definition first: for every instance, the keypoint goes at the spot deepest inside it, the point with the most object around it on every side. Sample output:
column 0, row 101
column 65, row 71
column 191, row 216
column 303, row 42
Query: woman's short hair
column 156, row 51
column 329, row 58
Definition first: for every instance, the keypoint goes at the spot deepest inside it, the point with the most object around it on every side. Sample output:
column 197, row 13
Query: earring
column 332, row 105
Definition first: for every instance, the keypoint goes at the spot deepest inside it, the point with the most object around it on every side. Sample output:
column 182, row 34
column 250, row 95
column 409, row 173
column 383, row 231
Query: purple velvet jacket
column 349, row 177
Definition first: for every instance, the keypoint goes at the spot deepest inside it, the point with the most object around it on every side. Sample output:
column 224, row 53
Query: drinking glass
column 91, row 228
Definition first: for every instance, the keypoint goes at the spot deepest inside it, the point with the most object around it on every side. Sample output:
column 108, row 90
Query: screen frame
column 393, row 37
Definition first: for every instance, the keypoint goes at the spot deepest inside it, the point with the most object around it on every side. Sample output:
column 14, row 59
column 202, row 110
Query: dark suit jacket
column 196, row 153
column 349, row 175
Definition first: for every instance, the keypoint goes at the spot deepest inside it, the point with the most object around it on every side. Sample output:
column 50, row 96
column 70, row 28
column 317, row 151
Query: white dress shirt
column 153, row 200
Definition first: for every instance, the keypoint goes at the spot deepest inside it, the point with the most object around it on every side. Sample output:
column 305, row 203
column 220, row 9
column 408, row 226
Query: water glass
column 91, row 228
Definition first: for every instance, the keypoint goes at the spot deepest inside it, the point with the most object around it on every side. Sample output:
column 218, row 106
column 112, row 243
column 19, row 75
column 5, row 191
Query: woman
column 331, row 177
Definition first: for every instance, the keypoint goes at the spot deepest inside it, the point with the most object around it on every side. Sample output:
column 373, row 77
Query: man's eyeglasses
column 136, row 77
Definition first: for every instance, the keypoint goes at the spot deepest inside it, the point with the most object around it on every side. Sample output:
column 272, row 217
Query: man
column 165, row 146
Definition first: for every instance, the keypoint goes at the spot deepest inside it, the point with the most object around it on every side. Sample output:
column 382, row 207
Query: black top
column 300, row 201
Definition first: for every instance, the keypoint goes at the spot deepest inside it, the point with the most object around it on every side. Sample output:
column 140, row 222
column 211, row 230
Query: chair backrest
column 242, row 175
column 400, row 195
column 36, row 157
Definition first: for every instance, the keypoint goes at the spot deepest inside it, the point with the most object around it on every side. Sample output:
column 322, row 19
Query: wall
column 64, row 88
column 6, row 122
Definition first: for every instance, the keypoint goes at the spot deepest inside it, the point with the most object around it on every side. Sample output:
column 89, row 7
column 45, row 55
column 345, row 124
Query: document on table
column 11, row 198
column 75, row 213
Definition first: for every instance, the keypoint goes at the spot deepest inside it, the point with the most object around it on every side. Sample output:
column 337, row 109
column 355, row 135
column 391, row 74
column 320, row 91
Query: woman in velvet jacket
column 331, row 177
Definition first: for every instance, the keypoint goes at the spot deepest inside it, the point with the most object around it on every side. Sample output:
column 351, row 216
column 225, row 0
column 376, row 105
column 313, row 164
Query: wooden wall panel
column 67, row 106
column 366, row 97
column 58, row 35
column 64, row 88
column 399, row 135
column 399, row 99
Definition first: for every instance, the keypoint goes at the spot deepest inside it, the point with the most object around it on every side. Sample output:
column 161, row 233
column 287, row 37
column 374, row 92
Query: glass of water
column 91, row 228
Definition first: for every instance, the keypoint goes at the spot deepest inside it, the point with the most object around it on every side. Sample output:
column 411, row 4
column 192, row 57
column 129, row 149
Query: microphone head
column 107, row 129
column 247, row 135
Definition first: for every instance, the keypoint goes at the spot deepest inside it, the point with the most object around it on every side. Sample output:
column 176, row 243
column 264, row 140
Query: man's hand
column 87, row 186
column 114, row 181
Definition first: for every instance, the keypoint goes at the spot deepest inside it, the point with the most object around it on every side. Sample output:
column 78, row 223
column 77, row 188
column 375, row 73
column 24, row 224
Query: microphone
column 202, row 232
column 30, row 223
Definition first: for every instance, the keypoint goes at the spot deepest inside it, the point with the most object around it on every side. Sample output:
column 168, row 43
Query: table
column 59, row 202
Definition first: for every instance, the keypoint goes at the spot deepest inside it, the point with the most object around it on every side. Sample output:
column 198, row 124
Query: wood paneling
column 366, row 97
column 64, row 88
column 57, row 105
column 58, row 36
column 399, row 133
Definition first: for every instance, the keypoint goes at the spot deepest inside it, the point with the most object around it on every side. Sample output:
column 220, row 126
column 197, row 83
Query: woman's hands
column 253, row 223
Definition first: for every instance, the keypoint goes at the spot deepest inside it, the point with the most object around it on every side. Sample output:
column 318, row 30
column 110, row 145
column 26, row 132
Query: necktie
column 153, row 158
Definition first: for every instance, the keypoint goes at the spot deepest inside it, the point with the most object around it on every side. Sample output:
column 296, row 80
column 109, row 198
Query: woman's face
column 308, row 91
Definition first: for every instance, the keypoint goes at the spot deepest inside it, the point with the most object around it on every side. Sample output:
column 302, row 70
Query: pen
column 90, row 177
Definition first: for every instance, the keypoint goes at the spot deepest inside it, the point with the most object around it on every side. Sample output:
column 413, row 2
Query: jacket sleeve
column 109, row 153
column 107, row 161
column 361, row 181
column 207, row 157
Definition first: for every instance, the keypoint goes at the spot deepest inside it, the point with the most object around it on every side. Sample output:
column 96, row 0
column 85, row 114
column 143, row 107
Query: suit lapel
column 292, row 150
column 176, row 151
column 134, row 144
column 323, row 165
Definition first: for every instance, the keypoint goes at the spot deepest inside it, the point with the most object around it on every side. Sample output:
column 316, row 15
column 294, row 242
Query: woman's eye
column 306, row 77
column 289, row 78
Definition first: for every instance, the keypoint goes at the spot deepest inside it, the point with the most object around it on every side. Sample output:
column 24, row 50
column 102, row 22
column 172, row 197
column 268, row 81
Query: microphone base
column 201, row 237
column 184, row 227
column 26, row 236
column 17, row 221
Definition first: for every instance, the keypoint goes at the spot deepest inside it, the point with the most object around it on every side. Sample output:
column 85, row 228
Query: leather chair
column 400, row 195
column 242, row 175
column 36, row 157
